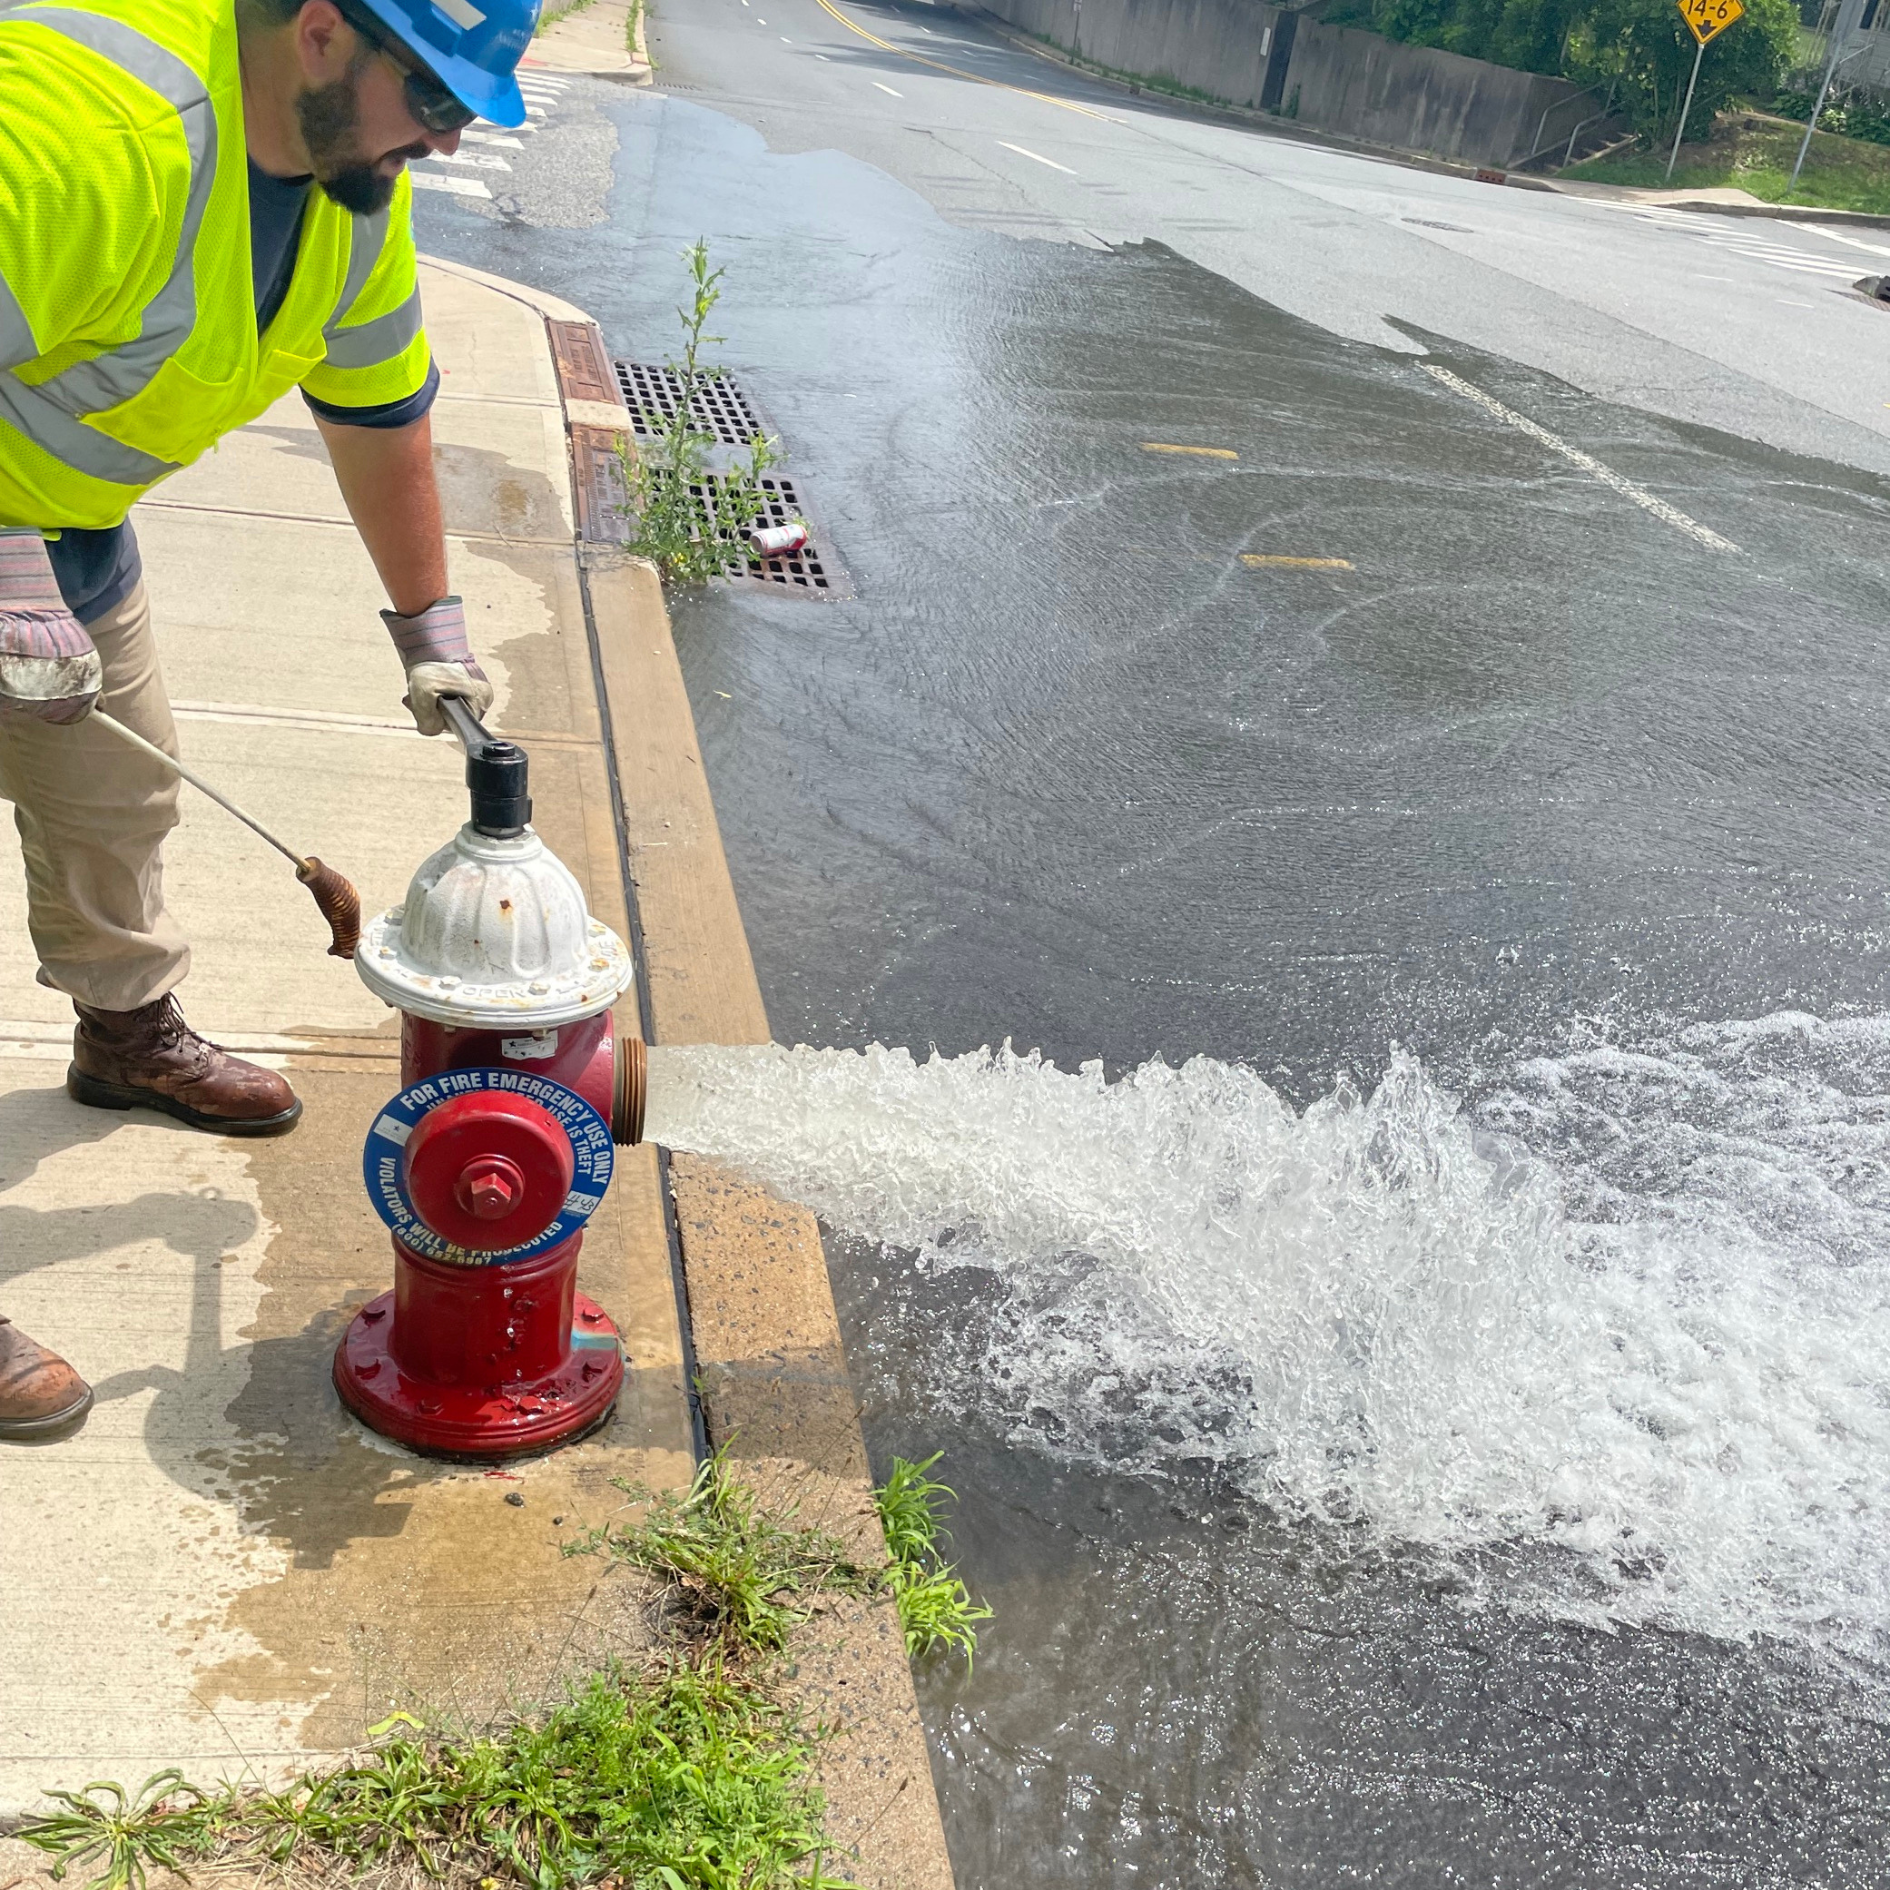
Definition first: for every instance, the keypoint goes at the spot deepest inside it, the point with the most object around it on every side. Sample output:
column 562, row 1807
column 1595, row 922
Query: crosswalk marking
column 454, row 186
column 1751, row 246
column 473, row 160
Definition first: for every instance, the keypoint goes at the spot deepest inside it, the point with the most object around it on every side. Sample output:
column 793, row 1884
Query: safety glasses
column 430, row 103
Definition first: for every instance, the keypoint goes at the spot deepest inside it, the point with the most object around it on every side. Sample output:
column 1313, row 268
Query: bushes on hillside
column 1642, row 46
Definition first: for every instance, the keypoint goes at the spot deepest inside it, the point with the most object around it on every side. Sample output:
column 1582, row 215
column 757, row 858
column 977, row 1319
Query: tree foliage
column 1642, row 47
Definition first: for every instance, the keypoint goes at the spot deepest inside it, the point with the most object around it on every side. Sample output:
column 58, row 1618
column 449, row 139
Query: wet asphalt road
column 1071, row 771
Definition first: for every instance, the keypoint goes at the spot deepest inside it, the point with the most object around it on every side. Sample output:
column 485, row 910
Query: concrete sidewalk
column 604, row 38
column 221, row 1571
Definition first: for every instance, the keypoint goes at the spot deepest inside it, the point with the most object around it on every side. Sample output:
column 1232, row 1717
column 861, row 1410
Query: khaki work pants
column 92, row 814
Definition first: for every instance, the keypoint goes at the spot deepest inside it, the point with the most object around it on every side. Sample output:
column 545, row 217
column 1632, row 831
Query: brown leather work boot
column 40, row 1394
column 151, row 1059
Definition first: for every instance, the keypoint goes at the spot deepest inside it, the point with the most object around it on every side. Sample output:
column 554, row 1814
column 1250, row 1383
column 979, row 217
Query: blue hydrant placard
column 384, row 1170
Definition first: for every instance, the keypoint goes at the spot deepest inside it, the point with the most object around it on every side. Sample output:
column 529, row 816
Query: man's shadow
column 251, row 1424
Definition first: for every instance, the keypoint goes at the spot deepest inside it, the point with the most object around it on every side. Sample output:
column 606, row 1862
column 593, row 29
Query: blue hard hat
column 472, row 46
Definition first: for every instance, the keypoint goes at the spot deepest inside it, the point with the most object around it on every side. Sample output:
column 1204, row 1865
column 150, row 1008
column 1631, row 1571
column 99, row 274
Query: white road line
column 454, row 186
column 1593, row 467
column 473, row 160
column 1801, row 265
column 887, row 89
column 1836, row 236
column 502, row 139
column 1032, row 155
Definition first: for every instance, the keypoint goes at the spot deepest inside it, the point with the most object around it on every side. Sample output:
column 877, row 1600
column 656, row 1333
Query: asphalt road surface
column 1313, row 613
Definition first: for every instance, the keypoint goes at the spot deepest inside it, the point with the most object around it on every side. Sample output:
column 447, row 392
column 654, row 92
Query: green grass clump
column 744, row 1576
column 554, row 12
column 1756, row 155
column 692, row 1780
column 935, row 1608
column 688, row 1776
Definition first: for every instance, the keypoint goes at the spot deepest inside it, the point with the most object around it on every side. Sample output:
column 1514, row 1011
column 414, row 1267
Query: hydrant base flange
column 480, row 1423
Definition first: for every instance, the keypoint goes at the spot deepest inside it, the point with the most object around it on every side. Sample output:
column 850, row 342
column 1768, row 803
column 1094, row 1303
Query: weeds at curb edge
column 684, row 1775
column 935, row 1609
column 689, row 535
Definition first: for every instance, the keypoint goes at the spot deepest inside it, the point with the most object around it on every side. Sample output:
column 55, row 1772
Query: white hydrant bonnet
column 494, row 932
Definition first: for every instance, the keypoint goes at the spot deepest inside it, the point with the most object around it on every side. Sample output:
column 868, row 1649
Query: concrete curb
column 768, row 1359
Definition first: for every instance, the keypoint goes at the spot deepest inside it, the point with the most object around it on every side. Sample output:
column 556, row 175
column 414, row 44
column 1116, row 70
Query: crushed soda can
column 777, row 541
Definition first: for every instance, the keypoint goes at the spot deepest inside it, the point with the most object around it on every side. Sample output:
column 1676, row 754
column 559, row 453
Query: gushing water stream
column 1620, row 1327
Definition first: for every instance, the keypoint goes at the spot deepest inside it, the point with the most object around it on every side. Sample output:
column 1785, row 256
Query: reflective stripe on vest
column 48, row 414
column 368, row 343
column 16, row 334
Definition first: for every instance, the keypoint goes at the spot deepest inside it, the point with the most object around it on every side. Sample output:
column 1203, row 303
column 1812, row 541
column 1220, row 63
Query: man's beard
column 330, row 118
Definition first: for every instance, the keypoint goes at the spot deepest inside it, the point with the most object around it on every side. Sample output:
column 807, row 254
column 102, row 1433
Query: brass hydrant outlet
column 632, row 1088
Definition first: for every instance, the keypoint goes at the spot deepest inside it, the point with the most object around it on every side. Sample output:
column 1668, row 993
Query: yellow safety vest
column 128, row 336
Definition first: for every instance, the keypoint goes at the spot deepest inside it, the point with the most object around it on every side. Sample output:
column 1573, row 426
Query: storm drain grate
column 809, row 572
column 717, row 406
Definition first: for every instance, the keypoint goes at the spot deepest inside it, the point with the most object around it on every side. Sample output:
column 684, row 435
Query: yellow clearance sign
column 1709, row 18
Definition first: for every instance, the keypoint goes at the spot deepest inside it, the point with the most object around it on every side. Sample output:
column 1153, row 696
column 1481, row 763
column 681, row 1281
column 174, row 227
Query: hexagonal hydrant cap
column 494, row 932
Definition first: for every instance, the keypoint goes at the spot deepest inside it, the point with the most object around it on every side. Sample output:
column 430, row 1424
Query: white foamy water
column 1634, row 1307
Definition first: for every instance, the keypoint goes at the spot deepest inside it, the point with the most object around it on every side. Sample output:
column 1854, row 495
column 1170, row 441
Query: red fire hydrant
column 500, row 1144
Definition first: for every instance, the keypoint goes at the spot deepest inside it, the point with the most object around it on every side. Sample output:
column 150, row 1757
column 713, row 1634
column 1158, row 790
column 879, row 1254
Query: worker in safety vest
column 203, row 203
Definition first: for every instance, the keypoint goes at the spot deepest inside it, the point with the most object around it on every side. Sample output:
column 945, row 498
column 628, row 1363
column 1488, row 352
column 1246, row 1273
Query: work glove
column 49, row 670
column 439, row 662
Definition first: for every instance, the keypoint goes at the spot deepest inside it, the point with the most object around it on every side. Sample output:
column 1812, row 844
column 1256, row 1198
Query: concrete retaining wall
column 1328, row 78
column 1423, row 100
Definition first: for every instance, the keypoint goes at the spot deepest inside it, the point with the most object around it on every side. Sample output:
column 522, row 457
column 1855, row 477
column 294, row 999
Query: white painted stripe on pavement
column 501, row 139
column 1021, row 152
column 1837, row 236
column 473, row 160
column 453, row 186
column 1667, row 514
column 887, row 89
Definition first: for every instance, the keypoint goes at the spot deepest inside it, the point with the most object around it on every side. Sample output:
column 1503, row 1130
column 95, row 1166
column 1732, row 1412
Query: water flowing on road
column 1614, row 1310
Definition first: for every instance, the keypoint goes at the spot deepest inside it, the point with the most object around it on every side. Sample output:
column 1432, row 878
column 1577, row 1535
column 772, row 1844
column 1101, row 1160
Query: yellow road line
column 1200, row 452
column 957, row 72
column 1273, row 561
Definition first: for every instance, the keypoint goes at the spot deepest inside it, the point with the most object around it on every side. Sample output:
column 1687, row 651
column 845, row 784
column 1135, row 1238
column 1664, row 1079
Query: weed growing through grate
column 686, row 535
